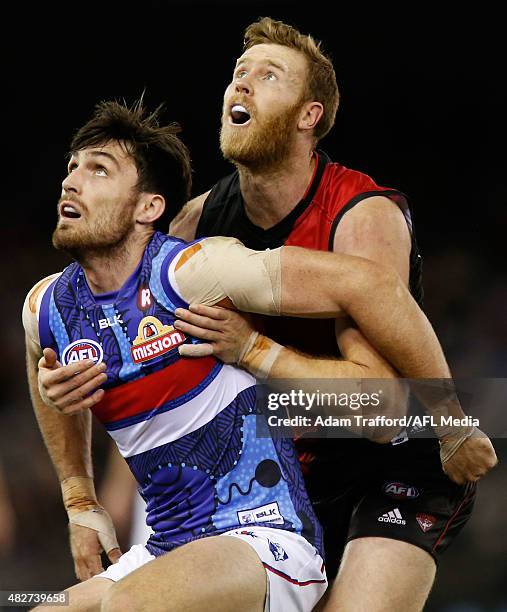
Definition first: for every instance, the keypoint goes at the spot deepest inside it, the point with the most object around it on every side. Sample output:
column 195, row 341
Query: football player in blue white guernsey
column 229, row 509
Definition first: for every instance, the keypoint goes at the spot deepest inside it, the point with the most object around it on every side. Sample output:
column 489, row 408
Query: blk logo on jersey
column 154, row 339
column 399, row 490
column 426, row 521
column 270, row 513
column 82, row 349
column 110, row 321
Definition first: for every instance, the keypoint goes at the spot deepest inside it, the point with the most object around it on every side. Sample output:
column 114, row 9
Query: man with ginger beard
column 282, row 100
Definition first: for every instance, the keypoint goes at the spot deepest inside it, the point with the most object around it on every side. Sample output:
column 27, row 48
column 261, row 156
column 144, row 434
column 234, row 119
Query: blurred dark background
column 422, row 110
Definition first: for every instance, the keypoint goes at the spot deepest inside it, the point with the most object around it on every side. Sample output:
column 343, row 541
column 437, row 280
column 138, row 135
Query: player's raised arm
column 68, row 440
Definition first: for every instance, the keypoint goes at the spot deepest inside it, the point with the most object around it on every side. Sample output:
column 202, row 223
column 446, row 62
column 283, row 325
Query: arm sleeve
column 217, row 268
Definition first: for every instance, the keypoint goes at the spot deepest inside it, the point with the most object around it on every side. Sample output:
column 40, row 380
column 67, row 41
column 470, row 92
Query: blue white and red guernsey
column 186, row 427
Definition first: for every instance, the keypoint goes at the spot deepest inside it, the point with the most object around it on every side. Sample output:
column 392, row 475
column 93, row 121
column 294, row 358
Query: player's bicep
column 288, row 280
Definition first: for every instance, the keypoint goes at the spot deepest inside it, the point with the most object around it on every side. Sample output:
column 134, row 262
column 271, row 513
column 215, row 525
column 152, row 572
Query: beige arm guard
column 217, row 268
column 83, row 509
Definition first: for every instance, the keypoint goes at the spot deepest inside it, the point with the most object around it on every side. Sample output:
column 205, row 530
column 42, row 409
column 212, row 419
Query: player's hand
column 86, row 551
column 71, row 388
column 472, row 460
column 225, row 331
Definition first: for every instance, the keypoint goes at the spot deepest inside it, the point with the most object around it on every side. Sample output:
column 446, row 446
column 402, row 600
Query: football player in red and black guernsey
column 389, row 511
column 282, row 100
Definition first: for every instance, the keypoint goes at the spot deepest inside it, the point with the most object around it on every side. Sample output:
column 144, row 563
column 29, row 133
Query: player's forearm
column 292, row 364
column 67, row 438
column 400, row 331
column 391, row 320
column 264, row 358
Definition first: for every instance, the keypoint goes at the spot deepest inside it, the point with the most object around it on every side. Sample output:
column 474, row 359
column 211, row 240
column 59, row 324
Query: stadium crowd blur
column 425, row 122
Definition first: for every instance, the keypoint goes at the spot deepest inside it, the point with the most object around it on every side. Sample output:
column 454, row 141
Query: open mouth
column 69, row 212
column 239, row 115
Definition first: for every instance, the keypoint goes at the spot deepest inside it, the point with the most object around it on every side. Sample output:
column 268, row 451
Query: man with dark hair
column 161, row 159
column 228, row 508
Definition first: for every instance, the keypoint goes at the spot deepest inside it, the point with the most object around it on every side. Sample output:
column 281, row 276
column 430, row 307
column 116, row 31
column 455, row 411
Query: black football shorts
column 397, row 492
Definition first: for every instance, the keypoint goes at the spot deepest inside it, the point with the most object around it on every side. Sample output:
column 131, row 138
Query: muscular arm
column 68, row 440
column 299, row 282
column 374, row 296
column 375, row 229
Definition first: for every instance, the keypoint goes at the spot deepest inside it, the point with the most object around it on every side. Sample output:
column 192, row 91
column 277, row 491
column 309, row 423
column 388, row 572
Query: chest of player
column 130, row 330
column 135, row 337
column 130, row 340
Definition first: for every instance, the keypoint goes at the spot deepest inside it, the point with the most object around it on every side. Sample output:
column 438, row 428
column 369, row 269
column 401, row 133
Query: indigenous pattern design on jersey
column 187, row 427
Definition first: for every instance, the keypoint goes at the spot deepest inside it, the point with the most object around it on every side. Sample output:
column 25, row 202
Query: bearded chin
column 260, row 148
column 82, row 245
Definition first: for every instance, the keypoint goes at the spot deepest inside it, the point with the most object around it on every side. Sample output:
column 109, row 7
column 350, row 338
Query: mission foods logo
column 82, row 349
column 154, row 339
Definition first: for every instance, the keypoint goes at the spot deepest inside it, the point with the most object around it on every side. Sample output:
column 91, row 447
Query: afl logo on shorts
column 399, row 490
column 79, row 350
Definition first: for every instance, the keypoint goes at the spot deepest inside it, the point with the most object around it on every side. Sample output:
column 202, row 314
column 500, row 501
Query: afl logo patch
column 399, row 490
column 79, row 350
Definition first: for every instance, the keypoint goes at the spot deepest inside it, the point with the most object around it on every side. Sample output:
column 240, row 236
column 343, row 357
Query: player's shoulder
column 338, row 175
column 36, row 293
column 32, row 304
column 185, row 223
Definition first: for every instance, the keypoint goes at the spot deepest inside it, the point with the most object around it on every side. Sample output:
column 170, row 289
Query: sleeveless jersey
column 186, row 427
column 333, row 191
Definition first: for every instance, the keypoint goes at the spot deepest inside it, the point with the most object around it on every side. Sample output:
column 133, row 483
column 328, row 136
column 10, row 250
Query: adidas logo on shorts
column 393, row 516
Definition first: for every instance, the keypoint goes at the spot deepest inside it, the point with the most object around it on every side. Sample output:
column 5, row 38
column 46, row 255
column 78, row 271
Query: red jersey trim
column 154, row 390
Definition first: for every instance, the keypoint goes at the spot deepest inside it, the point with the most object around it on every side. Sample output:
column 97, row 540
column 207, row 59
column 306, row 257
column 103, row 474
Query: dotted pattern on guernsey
column 155, row 281
column 243, row 477
column 129, row 370
column 57, row 326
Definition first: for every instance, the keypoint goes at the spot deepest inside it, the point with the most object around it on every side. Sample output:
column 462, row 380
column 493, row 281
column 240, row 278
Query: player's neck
column 108, row 272
column 269, row 196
